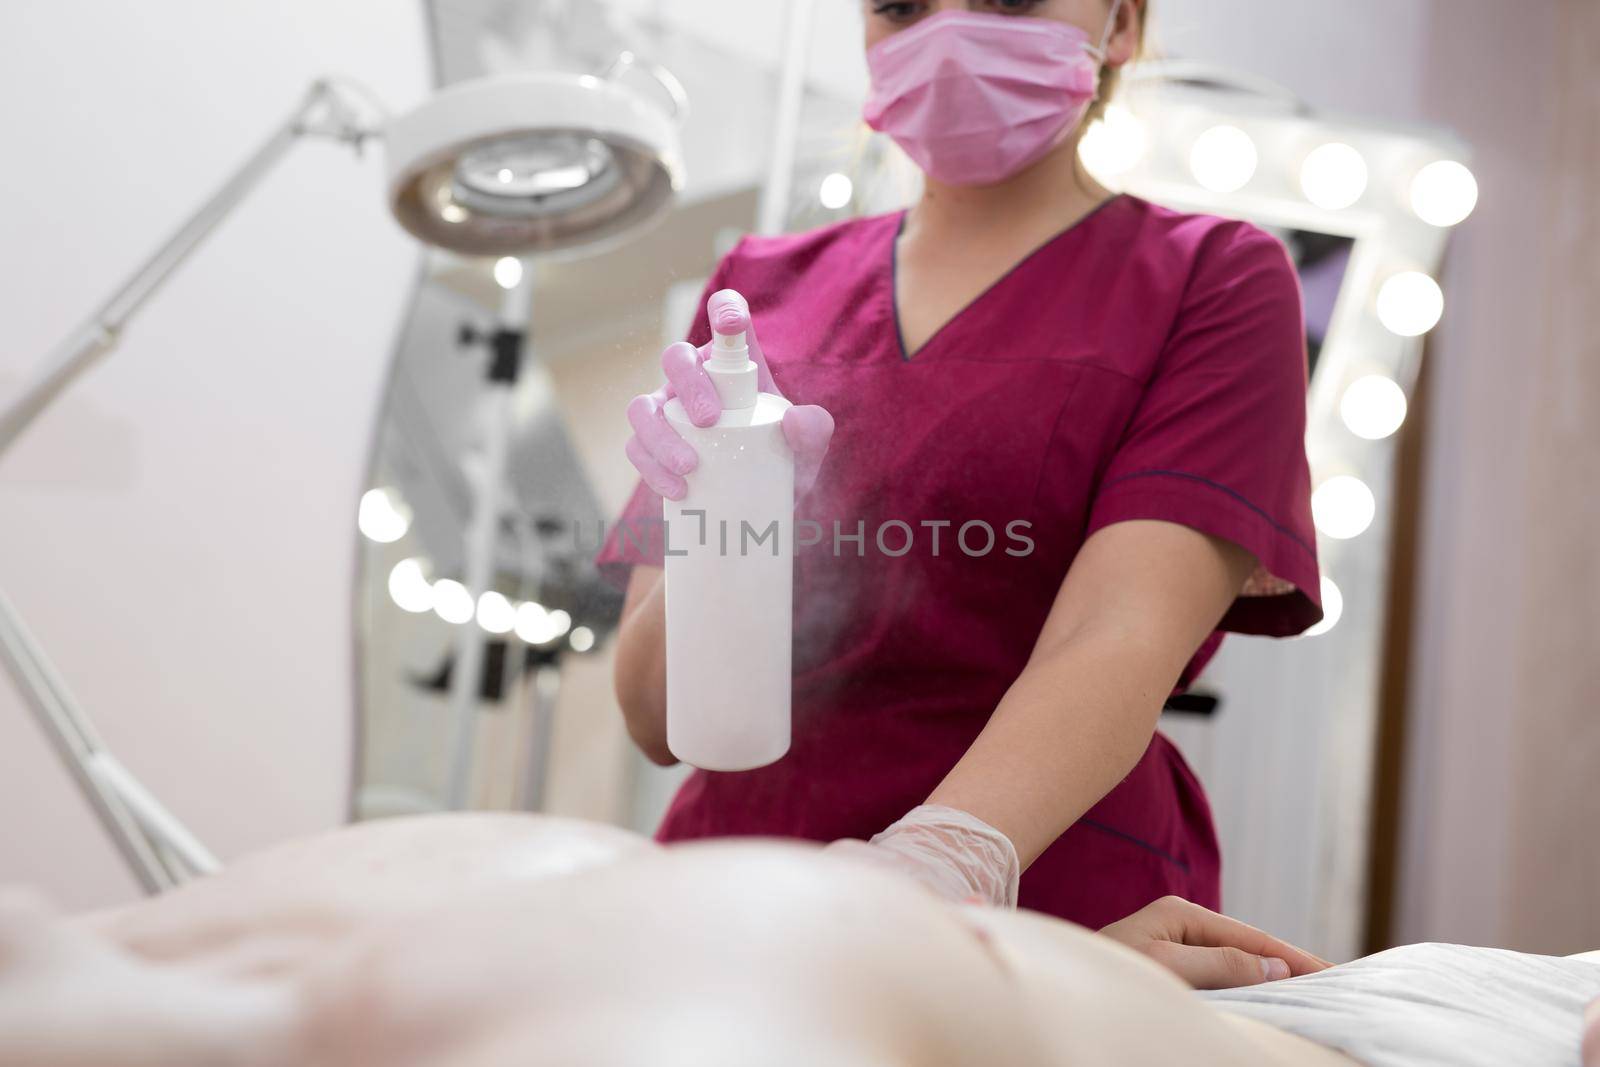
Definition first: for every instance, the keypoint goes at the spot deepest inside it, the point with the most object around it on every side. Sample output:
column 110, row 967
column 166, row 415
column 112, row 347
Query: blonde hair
column 1111, row 77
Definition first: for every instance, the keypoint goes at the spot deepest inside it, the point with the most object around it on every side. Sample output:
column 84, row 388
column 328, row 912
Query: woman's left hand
column 1207, row 950
column 957, row 855
column 660, row 454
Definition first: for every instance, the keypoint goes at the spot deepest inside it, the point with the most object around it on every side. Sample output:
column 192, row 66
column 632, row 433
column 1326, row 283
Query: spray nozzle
column 732, row 371
column 730, row 322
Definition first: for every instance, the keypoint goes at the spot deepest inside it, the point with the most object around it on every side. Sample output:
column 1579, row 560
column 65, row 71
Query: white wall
column 1355, row 57
column 180, row 530
column 759, row 32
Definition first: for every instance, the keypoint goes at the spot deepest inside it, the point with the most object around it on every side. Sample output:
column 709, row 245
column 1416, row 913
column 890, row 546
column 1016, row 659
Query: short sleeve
column 637, row 536
column 1217, row 440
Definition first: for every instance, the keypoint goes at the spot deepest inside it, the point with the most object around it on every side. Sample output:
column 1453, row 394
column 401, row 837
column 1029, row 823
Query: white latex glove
column 955, row 854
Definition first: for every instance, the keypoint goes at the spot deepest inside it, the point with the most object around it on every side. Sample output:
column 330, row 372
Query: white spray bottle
column 730, row 569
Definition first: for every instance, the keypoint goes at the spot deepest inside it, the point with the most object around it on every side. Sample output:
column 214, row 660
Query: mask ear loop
column 1099, row 50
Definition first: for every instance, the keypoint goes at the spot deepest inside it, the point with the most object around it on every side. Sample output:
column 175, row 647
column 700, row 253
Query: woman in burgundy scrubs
column 1115, row 389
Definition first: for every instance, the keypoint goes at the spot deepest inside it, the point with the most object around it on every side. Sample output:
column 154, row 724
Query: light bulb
column 1334, row 176
column 582, row 639
column 1332, row 608
column 539, row 626
column 508, row 272
column 1410, row 304
column 409, row 587
column 532, row 623
column 1373, row 407
column 383, row 516
column 836, row 191
column 1343, row 507
column 451, row 601
column 495, row 613
column 1224, row 159
column 1444, row 193
column 1114, row 144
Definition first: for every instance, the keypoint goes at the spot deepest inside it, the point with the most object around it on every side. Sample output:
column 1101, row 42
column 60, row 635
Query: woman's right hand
column 1207, row 950
column 662, row 457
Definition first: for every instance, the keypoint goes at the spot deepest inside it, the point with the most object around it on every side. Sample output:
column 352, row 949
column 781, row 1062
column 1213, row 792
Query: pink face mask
column 974, row 98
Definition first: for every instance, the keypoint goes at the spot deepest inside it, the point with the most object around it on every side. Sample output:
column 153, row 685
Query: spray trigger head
column 730, row 315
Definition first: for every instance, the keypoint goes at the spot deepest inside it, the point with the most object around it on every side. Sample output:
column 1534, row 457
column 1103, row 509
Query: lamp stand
column 507, row 347
column 157, row 847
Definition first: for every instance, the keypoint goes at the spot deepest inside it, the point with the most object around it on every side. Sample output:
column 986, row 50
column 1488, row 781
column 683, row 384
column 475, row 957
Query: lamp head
column 532, row 164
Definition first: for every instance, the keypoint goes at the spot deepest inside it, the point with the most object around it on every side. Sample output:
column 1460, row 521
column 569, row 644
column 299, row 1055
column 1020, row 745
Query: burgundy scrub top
column 1143, row 364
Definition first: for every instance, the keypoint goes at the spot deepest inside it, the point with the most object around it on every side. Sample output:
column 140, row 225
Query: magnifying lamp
column 525, row 165
column 541, row 163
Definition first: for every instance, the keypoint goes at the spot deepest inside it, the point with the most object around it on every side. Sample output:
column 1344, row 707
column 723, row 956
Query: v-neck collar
column 946, row 326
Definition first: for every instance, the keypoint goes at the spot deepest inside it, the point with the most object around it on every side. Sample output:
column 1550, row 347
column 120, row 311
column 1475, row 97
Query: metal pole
column 773, row 214
column 77, row 743
column 143, row 831
column 156, row 821
column 482, row 540
column 543, row 689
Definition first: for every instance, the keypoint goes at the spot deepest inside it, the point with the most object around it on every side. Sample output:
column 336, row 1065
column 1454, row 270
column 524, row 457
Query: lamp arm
column 76, row 742
column 158, row 848
column 325, row 110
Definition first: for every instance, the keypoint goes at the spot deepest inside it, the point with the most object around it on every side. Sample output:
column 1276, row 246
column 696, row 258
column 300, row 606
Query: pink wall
column 1502, row 832
column 1556, row 852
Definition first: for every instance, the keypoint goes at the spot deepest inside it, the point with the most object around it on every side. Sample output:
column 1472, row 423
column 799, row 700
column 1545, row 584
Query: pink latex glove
column 662, row 457
column 955, row 854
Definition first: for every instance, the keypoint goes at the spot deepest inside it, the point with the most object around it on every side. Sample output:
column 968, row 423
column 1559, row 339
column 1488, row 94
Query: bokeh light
column 1114, row 144
column 1374, row 407
column 1410, row 304
column 836, row 191
column 1343, row 507
column 1224, row 159
column 383, row 516
column 495, row 613
column 1332, row 609
column 409, row 587
column 1444, row 193
column 508, row 272
column 1334, row 177
column 451, row 601
column 539, row 626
